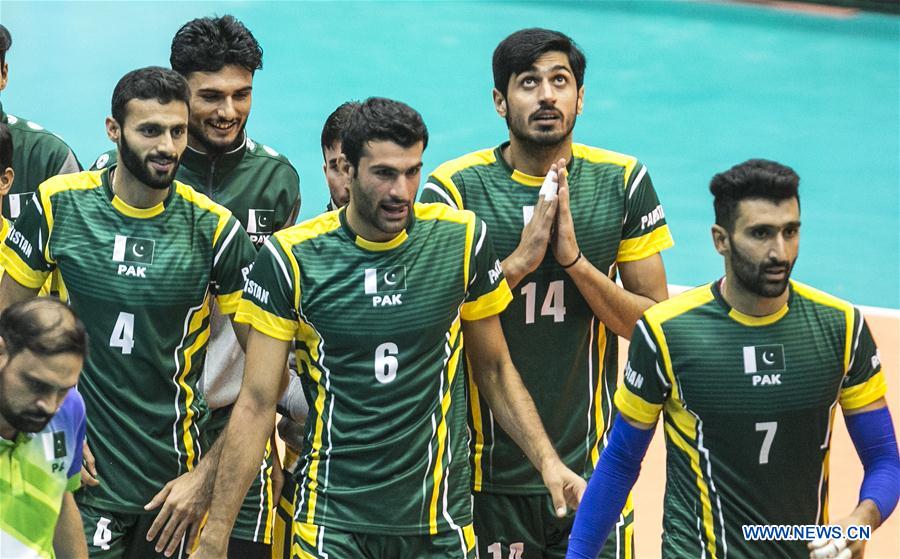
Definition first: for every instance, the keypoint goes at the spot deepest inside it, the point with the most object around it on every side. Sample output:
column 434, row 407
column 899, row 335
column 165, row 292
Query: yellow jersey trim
column 636, row 407
column 827, row 300
column 526, row 180
column 139, row 213
column 855, row 397
column 204, row 202
column 489, row 304
column 264, row 321
column 750, row 320
column 380, row 246
column 228, row 302
column 187, row 422
column 444, row 173
column 599, row 419
column 86, row 180
column 641, row 247
column 13, row 265
column 678, row 305
column 600, row 156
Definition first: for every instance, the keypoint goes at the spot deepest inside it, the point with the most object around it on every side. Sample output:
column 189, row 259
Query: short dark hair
column 754, row 178
column 6, row 147
column 152, row 82
column 518, row 52
column 336, row 122
column 207, row 44
column 5, row 43
column 378, row 118
column 44, row 326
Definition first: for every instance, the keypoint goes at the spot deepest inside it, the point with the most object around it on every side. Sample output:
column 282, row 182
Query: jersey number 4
column 123, row 333
column 554, row 302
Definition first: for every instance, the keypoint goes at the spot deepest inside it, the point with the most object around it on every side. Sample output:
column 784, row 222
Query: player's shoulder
column 71, row 414
column 313, row 228
column 443, row 213
column 679, row 305
column 262, row 154
column 601, row 156
column 35, row 133
column 820, row 299
column 72, row 182
column 475, row 159
column 190, row 195
column 106, row 159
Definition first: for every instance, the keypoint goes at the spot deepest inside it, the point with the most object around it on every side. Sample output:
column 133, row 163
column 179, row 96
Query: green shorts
column 256, row 519
column 319, row 542
column 113, row 535
column 526, row 526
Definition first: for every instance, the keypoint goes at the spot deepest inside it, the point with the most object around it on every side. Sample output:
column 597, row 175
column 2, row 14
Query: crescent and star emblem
column 768, row 357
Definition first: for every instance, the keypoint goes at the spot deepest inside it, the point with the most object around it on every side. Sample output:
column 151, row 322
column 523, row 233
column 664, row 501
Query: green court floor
column 689, row 87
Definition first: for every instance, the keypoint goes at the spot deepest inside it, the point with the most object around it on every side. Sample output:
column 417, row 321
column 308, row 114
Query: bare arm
column 618, row 308
column 241, row 332
column 68, row 539
column 12, row 292
column 245, row 437
column 500, row 384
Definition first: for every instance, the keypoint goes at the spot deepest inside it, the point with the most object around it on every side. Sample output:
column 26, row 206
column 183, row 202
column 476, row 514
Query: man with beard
column 39, row 154
column 219, row 57
column 561, row 256
column 376, row 297
column 747, row 371
column 335, row 166
column 42, row 426
column 140, row 256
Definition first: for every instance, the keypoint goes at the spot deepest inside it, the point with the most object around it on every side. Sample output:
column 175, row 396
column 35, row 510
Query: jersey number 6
column 386, row 362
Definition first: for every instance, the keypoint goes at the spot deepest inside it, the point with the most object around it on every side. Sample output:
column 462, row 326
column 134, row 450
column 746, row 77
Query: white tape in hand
column 829, row 549
column 550, row 186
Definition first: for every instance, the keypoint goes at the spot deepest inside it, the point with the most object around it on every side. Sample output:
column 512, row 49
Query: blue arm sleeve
column 873, row 436
column 608, row 489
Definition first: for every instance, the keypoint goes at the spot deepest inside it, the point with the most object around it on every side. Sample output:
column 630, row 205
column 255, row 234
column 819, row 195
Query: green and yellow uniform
column 38, row 154
column 378, row 335
column 36, row 469
column 142, row 281
column 748, row 405
column 262, row 190
column 566, row 356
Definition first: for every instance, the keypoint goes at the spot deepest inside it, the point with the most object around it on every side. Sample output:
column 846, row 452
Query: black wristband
column 577, row 258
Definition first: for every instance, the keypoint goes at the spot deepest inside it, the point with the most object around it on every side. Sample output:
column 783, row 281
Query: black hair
column 754, row 178
column 207, row 44
column 152, row 82
column 336, row 122
column 6, row 147
column 518, row 52
column 378, row 118
column 44, row 326
column 5, row 43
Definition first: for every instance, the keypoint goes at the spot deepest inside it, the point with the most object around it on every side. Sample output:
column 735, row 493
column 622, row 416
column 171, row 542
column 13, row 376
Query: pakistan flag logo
column 763, row 358
column 260, row 221
column 385, row 280
column 135, row 250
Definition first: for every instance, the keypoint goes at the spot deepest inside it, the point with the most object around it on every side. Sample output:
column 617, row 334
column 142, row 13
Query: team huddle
column 446, row 370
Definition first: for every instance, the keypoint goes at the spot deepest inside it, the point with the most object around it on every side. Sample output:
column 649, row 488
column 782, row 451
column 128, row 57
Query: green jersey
column 748, row 404
column 255, row 182
column 37, row 469
column 262, row 190
column 567, row 358
column 378, row 336
column 141, row 280
column 38, row 154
